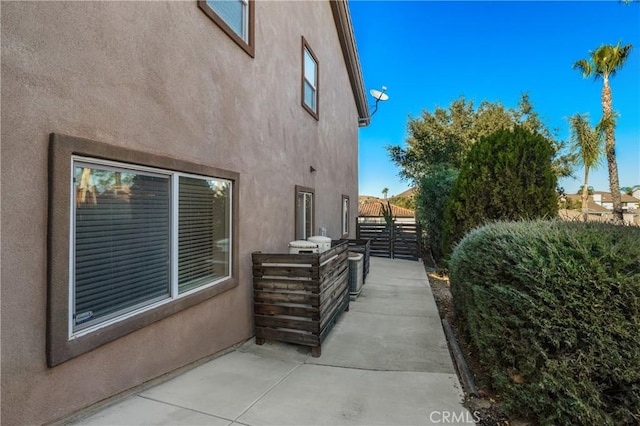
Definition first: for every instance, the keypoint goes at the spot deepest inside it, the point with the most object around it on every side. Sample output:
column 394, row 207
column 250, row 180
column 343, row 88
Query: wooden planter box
column 363, row 247
column 298, row 297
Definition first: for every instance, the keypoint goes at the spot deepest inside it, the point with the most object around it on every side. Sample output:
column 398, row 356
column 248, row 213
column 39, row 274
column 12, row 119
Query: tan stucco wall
column 162, row 78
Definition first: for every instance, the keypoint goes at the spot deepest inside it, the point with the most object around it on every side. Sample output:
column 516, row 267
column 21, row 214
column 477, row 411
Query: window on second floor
column 309, row 80
column 234, row 17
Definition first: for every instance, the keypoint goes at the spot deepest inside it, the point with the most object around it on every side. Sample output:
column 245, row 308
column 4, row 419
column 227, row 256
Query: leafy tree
column 569, row 203
column 586, row 142
column 433, row 197
column 605, row 62
column 506, row 176
column 590, row 190
column 406, row 202
column 441, row 139
column 629, row 189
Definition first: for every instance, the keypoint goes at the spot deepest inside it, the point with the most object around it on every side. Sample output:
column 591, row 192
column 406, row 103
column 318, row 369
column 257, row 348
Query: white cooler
column 324, row 243
column 302, row 247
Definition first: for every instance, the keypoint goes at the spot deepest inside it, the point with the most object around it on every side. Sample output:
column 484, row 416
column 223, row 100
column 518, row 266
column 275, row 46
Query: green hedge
column 507, row 175
column 554, row 309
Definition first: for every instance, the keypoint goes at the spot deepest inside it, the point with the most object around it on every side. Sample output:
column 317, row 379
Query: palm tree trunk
column 585, row 195
column 610, row 150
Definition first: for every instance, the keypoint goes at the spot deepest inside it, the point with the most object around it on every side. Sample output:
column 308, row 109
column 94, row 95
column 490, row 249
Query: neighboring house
column 604, row 199
column 184, row 136
column 601, row 204
column 371, row 212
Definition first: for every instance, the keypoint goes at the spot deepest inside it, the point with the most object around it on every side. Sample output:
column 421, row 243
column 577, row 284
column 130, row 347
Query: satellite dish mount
column 378, row 95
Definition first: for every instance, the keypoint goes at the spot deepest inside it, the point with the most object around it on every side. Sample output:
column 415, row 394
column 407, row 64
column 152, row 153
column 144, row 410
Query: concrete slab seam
column 372, row 369
column 185, row 408
column 267, row 392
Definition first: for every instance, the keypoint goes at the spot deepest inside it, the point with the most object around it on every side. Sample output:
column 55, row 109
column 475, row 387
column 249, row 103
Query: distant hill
column 408, row 193
column 367, row 199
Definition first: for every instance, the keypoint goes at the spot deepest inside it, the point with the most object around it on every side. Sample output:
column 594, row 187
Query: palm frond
column 584, row 67
column 606, row 122
column 587, row 143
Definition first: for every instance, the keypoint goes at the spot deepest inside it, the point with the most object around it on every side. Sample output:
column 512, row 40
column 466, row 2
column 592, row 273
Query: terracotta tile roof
column 374, row 209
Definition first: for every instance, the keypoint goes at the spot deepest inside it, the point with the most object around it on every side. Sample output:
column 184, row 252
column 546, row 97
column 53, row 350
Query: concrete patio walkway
column 385, row 362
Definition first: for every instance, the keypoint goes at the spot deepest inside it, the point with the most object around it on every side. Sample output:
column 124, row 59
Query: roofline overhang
column 347, row 39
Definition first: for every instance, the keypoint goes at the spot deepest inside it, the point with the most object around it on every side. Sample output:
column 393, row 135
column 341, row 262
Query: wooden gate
column 399, row 241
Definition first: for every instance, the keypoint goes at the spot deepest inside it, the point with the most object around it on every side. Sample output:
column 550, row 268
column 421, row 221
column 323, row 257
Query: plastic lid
column 303, row 244
column 355, row 256
column 319, row 239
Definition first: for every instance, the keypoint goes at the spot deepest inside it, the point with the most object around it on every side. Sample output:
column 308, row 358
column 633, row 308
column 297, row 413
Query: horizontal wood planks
column 397, row 241
column 298, row 297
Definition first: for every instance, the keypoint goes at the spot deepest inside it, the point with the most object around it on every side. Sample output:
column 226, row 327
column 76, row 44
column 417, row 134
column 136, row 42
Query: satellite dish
column 380, row 96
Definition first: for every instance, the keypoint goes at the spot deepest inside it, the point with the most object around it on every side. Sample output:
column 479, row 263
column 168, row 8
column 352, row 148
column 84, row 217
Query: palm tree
column 586, row 143
column 385, row 191
column 603, row 63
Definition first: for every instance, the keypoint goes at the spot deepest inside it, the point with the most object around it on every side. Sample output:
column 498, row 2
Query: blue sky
column 430, row 53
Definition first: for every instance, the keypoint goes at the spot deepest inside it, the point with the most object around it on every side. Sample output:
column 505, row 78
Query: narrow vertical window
column 345, row 216
column 305, row 212
column 234, row 17
column 310, row 80
column 203, row 231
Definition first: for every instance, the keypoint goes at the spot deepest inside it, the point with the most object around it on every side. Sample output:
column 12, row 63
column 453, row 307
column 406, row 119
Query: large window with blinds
column 142, row 237
column 133, row 238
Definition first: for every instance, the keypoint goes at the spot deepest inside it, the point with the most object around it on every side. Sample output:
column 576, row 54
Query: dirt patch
column 486, row 407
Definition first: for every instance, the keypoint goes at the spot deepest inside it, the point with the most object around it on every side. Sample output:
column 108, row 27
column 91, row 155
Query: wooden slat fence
column 399, row 241
column 298, row 297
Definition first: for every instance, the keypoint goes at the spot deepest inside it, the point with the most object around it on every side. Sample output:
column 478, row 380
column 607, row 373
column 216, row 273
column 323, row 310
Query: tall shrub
column 554, row 309
column 433, row 196
column 506, row 176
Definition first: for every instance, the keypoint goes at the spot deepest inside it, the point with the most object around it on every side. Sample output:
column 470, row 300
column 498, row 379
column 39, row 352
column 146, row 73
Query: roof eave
column 347, row 39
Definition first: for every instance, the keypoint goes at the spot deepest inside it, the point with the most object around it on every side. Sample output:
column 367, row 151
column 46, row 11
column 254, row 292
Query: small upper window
column 309, row 80
column 235, row 17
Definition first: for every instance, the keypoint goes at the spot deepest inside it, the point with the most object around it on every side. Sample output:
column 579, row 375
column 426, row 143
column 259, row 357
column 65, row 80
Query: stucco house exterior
column 148, row 148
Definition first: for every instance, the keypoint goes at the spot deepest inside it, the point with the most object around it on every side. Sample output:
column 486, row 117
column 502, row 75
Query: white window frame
column 346, row 215
column 174, row 295
column 301, row 213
